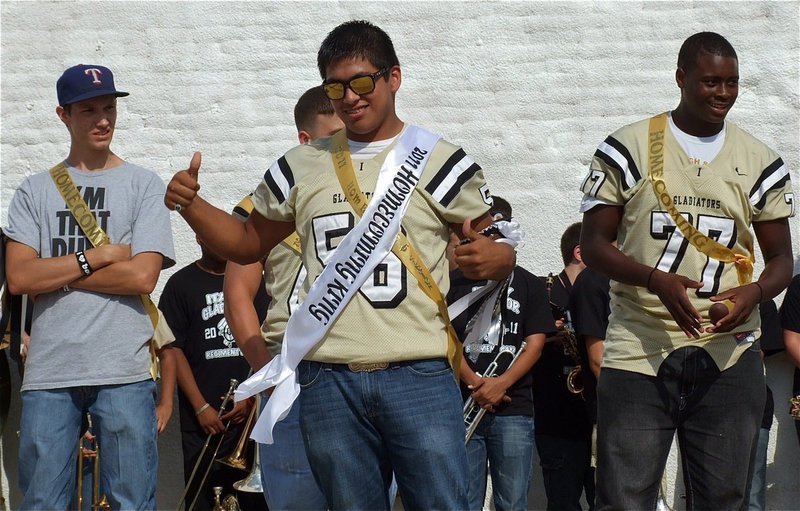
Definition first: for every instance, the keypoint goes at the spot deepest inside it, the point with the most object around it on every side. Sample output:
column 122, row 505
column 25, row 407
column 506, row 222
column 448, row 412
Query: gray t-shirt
column 82, row 337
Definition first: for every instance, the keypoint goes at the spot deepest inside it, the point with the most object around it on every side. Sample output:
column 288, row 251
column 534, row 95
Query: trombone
column 473, row 412
column 252, row 483
column 98, row 503
column 225, row 401
column 238, row 457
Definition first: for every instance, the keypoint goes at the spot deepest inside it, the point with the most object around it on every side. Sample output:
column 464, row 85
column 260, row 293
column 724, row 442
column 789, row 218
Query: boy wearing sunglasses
column 368, row 351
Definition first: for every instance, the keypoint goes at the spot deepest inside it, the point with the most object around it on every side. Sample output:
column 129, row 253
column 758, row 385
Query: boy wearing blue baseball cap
column 88, row 239
column 83, row 82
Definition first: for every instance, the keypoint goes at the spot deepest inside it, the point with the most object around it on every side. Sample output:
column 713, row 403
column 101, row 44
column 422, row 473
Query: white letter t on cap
column 95, row 74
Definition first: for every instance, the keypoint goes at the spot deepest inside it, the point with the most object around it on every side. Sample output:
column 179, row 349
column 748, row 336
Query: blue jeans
column 758, row 487
column 285, row 473
column 506, row 443
column 124, row 421
column 359, row 427
column 566, row 470
column 717, row 416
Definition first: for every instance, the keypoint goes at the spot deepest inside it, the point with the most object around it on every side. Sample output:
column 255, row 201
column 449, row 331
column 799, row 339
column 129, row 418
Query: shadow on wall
column 170, row 467
column 10, row 450
column 783, row 457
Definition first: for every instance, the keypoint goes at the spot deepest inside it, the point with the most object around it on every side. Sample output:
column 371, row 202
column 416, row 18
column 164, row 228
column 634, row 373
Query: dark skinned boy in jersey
column 709, row 180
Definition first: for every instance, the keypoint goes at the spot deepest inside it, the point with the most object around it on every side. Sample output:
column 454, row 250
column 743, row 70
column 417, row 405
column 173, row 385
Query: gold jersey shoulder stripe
column 246, row 206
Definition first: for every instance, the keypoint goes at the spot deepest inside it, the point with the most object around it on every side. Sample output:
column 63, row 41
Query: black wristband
column 83, row 262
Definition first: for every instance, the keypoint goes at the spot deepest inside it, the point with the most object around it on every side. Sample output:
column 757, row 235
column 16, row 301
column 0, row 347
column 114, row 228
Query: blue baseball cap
column 83, row 82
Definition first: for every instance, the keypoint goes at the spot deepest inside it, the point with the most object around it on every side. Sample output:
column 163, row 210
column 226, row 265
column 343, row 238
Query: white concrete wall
column 528, row 88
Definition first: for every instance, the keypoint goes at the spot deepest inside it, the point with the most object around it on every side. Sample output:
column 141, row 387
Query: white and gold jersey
column 390, row 319
column 284, row 275
column 746, row 182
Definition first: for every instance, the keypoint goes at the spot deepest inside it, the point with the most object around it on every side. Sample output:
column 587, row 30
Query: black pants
column 566, row 468
column 717, row 417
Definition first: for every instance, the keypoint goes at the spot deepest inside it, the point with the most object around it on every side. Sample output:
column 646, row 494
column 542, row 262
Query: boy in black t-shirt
column 590, row 307
column 504, row 437
column 561, row 422
column 207, row 359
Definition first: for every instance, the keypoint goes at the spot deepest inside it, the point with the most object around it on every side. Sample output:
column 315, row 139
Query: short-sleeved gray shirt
column 82, row 337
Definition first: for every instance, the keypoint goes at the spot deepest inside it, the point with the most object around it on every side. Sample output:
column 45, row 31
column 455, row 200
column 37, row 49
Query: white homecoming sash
column 482, row 320
column 513, row 236
column 332, row 291
column 465, row 302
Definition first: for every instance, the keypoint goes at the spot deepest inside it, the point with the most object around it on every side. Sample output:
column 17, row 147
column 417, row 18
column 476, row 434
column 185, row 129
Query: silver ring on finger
column 178, row 208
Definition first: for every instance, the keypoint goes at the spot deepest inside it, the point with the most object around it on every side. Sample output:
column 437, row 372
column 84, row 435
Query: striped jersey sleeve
column 771, row 196
column 271, row 198
column 455, row 184
column 279, row 179
column 451, row 177
column 242, row 210
column 613, row 172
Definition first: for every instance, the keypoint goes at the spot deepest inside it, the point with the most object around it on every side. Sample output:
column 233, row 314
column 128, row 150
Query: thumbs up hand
column 468, row 233
column 479, row 257
column 194, row 165
column 183, row 188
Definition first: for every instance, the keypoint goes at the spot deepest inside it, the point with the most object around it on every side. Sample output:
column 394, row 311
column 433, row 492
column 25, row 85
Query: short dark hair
column 569, row 240
column 312, row 103
column 703, row 42
column 501, row 206
column 357, row 39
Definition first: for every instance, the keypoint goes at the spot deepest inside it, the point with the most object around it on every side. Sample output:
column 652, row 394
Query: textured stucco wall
column 527, row 88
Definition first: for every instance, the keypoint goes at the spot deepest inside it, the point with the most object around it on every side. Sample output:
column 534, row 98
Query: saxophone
column 229, row 503
column 794, row 407
column 568, row 341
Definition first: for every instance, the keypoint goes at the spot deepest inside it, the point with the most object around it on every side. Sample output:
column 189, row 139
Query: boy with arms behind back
column 285, row 473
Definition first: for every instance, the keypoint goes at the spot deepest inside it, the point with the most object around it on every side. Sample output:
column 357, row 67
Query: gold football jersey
column 746, row 182
column 390, row 318
column 284, row 275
